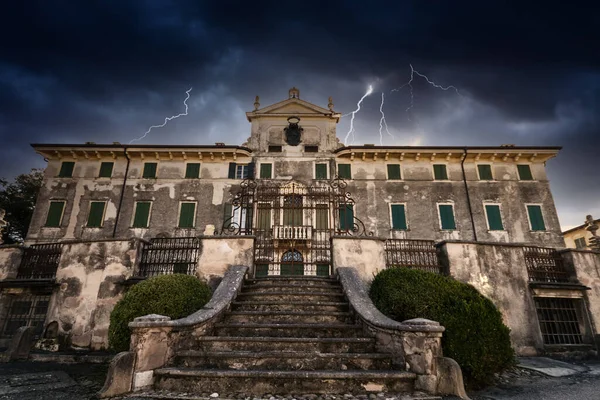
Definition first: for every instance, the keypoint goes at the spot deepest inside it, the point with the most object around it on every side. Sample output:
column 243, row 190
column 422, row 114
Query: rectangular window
column 96, row 216
column 55, row 213
column 322, row 269
column 311, row 149
column 322, row 217
column 275, row 149
column 262, row 270
column 524, row 172
column 106, row 169
column 266, row 171
column 536, row 219
column 580, row 243
column 192, row 170
column 398, row 216
column 485, row 172
column 263, row 218
column 494, row 217
column 393, row 171
column 439, row 172
column 320, row 171
column 241, row 172
column 346, row 217
column 66, row 169
column 187, row 215
column 345, row 171
column 149, row 170
column 141, row 214
column 447, row 216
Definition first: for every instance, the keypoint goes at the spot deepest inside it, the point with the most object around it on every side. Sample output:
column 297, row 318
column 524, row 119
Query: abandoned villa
column 294, row 202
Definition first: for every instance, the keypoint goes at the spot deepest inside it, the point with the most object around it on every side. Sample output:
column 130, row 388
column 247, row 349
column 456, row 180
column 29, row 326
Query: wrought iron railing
column 418, row 254
column 163, row 256
column 26, row 310
column 545, row 265
column 40, row 261
column 560, row 320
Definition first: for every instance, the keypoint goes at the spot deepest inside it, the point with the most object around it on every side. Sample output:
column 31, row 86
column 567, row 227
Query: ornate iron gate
column 293, row 224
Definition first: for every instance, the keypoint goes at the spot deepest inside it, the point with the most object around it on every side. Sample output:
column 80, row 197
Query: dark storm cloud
column 528, row 72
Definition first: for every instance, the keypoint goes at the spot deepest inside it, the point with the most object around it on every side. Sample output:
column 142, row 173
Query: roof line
column 579, row 227
column 142, row 146
column 449, row 147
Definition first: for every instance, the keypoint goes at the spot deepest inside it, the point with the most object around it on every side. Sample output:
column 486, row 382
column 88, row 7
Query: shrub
column 175, row 296
column 475, row 335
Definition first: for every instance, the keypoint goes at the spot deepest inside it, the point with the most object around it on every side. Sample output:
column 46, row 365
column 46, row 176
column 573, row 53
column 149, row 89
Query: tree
column 18, row 200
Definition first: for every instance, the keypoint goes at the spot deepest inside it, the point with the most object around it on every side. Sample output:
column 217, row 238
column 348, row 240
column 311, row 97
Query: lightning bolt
column 167, row 119
column 353, row 113
column 383, row 122
column 429, row 81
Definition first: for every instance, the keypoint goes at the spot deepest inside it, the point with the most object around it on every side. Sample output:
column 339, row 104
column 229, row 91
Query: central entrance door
column 292, row 263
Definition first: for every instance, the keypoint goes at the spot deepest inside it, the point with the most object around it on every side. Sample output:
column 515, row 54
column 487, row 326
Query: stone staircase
column 286, row 335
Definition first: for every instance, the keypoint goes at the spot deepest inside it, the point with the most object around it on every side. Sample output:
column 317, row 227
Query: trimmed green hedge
column 175, row 296
column 475, row 335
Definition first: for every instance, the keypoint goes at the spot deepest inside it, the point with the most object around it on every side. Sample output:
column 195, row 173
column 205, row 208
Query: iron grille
column 418, row 254
column 559, row 320
column 545, row 265
column 163, row 256
column 40, row 261
column 26, row 310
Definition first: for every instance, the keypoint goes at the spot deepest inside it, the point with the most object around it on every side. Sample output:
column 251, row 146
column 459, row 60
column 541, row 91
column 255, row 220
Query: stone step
column 259, row 382
column 289, row 330
column 323, row 345
column 291, row 289
column 283, row 361
column 339, row 306
column 301, row 284
column 287, row 317
column 289, row 281
column 290, row 297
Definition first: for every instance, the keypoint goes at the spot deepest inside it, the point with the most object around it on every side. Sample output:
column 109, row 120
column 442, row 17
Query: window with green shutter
column 322, row 269
column 399, row 217
column 485, row 172
column 149, row 170
column 536, row 219
column 142, row 214
column 66, row 169
column 580, row 243
column 494, row 217
column 524, row 172
column 447, row 216
column 346, row 217
column 322, row 222
column 187, row 215
column 262, row 270
column 393, row 171
column 320, row 171
column 55, row 213
column 345, row 171
column 263, row 218
column 96, row 216
column 439, row 172
column 227, row 215
column 192, row 170
column 106, row 169
column 266, row 171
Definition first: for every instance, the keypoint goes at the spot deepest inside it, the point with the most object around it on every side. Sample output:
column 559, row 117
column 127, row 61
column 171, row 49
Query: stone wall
column 221, row 252
column 365, row 255
column 10, row 258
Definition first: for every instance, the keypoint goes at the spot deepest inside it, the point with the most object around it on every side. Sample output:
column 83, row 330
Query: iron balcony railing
column 164, row 256
column 419, row 254
column 40, row 261
column 545, row 265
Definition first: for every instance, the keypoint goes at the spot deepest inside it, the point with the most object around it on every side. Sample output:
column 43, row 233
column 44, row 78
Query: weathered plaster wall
column 10, row 258
column 499, row 273
column 89, row 277
column 220, row 253
column 366, row 255
column 576, row 234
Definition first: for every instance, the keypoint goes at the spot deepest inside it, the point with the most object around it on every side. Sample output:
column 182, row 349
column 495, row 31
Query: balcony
column 283, row 232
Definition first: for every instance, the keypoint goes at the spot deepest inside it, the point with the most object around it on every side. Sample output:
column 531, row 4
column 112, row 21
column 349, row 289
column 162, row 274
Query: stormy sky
column 527, row 73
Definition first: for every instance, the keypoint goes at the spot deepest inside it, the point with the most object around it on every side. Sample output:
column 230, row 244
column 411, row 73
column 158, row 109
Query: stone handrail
column 221, row 298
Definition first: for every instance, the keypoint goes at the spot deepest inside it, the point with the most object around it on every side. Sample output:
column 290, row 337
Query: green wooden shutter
column 266, row 171
column 398, row 217
column 250, row 170
column 55, row 213
column 485, row 172
column 106, row 169
column 447, row 216
column 345, row 171
column 494, row 217
column 192, row 171
column 320, row 171
column 149, row 170
column 322, row 269
column 536, row 218
column 322, row 217
column 346, row 217
column 227, row 215
column 393, row 171
column 264, row 219
column 261, row 270
column 186, row 215
column 66, row 169
column 96, row 216
column 232, row 167
column 142, row 212
column 524, row 172
column 439, row 172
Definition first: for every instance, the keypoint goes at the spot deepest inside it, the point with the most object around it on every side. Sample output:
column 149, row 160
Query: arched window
column 292, row 256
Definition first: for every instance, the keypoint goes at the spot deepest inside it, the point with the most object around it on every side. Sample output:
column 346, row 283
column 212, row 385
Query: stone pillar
column 422, row 348
column 365, row 254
